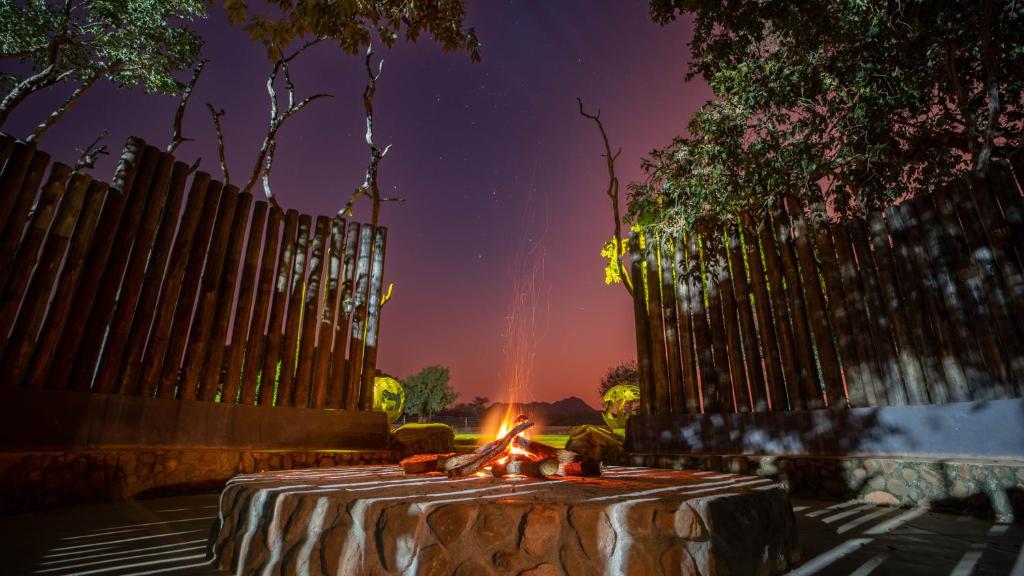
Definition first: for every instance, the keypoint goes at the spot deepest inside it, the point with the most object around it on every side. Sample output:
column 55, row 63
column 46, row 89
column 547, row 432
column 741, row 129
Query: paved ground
column 167, row 536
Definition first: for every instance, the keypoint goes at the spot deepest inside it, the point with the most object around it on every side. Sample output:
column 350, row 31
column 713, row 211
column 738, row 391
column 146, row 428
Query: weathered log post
column 766, row 323
column 305, row 389
column 641, row 320
column 373, row 318
column 246, row 369
column 244, row 308
column 687, row 398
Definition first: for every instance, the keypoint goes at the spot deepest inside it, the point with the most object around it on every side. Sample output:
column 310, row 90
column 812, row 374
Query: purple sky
column 487, row 155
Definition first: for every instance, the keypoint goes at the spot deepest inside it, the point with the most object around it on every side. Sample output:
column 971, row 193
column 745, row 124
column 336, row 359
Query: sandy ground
column 167, row 536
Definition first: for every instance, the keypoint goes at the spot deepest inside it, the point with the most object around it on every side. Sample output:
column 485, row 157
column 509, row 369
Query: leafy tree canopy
column 428, row 392
column 624, row 373
column 867, row 100
column 133, row 43
column 353, row 23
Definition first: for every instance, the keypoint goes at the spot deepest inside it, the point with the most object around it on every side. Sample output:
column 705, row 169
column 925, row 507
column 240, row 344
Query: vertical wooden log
column 169, row 372
column 53, row 326
column 305, row 390
column 730, row 315
column 659, row 361
column 28, row 249
column 373, row 318
column 641, row 321
column 855, row 368
column 14, row 171
column 339, row 370
column 909, row 358
column 821, row 332
column 20, row 208
column 932, row 326
column 144, row 376
column 688, row 398
column 26, row 326
column 209, row 379
column 110, row 285
column 673, row 402
column 810, row 395
column 293, row 323
column 981, row 201
column 984, row 374
column 717, row 277
column 329, row 316
column 244, row 306
column 6, row 149
column 126, row 300
column 894, row 392
column 359, row 301
column 781, row 314
column 989, row 260
column 271, row 393
column 246, row 370
column 747, row 330
column 773, row 363
column 123, row 367
column 1008, row 195
column 200, row 328
column 708, row 390
column 94, row 271
column 995, row 332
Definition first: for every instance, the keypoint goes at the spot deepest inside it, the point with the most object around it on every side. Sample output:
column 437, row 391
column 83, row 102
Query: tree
column 624, row 373
column 428, row 392
column 351, row 23
column 132, row 43
column 479, row 405
column 857, row 103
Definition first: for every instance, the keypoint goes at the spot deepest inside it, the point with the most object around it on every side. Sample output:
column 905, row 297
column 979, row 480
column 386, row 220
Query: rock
column 413, row 439
column 433, row 561
column 879, row 497
column 543, row 570
column 472, row 567
column 540, row 533
column 495, row 527
column 450, row 522
column 596, row 443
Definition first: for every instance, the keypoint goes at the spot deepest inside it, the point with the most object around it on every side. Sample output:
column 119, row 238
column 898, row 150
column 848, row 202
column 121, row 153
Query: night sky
column 492, row 158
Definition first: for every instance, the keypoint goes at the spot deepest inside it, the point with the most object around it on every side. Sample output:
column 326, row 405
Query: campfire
column 511, row 454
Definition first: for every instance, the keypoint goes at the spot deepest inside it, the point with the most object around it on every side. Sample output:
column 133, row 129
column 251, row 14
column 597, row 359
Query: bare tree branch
column 612, row 192
column 91, row 153
column 265, row 159
column 176, row 138
column 370, row 186
column 216, row 114
column 62, row 109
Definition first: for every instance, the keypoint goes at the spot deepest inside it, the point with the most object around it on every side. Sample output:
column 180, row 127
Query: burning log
column 531, row 468
column 569, row 462
column 467, row 464
column 424, row 463
column 540, row 451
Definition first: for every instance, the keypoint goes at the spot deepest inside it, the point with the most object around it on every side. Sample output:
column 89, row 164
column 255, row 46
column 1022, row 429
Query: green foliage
column 867, row 100
column 624, row 373
column 352, row 23
column 132, row 43
column 428, row 392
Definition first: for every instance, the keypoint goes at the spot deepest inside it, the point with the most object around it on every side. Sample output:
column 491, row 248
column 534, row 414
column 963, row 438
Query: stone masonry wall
column 980, row 487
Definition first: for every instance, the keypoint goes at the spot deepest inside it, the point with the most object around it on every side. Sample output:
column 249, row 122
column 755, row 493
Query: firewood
column 424, row 463
column 586, row 467
column 541, row 451
column 467, row 464
column 525, row 467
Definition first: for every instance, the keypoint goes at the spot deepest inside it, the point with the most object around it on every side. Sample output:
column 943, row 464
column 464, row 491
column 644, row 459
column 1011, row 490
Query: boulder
column 412, row 439
column 596, row 443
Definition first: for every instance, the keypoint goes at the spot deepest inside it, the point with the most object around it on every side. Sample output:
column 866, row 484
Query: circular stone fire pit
column 375, row 520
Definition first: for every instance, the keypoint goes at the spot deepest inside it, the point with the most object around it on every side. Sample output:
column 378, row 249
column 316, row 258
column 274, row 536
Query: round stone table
column 377, row 520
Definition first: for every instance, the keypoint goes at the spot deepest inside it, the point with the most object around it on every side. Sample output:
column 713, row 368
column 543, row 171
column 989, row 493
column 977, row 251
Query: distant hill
column 565, row 412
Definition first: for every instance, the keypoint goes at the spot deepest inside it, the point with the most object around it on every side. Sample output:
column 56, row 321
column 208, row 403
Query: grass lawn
column 470, row 441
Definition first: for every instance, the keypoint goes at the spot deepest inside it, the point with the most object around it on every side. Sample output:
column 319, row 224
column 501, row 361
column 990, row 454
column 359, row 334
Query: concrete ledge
column 33, row 480
column 982, row 487
column 48, row 420
column 957, row 430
